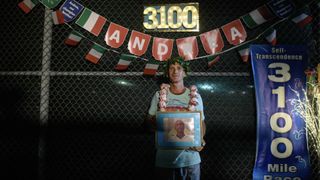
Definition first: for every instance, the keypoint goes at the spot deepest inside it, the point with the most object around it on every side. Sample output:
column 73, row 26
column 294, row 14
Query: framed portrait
column 178, row 130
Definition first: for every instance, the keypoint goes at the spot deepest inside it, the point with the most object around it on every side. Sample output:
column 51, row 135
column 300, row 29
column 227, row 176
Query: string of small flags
column 93, row 23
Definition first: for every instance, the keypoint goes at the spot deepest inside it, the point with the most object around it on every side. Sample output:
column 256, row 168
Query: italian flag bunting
column 73, row 39
column 91, row 21
column 244, row 53
column 27, row 5
column 212, row 60
column 302, row 18
column 50, row 3
column 151, row 68
column 95, row 53
column 257, row 17
column 124, row 62
column 57, row 17
column 271, row 36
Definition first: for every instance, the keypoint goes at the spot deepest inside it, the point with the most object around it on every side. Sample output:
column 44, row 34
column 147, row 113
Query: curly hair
column 179, row 60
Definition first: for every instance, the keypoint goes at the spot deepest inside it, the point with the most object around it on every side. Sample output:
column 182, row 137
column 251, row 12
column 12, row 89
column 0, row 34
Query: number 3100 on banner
column 178, row 17
column 282, row 75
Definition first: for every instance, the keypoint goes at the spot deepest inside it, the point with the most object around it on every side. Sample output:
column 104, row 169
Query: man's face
column 179, row 126
column 176, row 73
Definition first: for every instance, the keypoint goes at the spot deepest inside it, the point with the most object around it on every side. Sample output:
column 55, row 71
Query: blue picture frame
column 170, row 126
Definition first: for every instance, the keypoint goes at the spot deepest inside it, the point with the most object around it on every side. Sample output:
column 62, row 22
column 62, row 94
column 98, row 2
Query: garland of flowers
column 164, row 89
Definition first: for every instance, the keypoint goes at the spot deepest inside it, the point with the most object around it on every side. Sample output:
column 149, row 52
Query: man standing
column 170, row 163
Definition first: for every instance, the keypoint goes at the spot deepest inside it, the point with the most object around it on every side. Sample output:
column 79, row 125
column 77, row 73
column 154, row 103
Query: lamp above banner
column 183, row 17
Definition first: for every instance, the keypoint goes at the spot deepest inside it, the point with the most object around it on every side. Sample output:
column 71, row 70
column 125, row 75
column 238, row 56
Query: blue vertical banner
column 282, row 149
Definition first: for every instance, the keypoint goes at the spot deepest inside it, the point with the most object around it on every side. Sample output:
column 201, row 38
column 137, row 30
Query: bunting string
column 107, row 49
column 239, row 45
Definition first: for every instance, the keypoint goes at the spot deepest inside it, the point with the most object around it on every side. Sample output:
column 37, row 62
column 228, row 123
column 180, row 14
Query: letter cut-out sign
column 212, row 41
column 138, row 43
column 188, row 47
column 115, row 35
column 235, row 32
column 162, row 48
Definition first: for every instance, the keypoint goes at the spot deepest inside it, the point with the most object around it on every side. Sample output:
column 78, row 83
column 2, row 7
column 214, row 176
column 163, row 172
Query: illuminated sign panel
column 171, row 17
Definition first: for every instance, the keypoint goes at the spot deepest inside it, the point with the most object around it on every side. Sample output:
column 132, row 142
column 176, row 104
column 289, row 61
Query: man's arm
column 150, row 120
column 150, row 123
column 204, row 128
column 200, row 106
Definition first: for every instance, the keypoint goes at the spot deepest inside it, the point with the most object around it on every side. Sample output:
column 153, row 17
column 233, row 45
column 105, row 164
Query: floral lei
column 164, row 88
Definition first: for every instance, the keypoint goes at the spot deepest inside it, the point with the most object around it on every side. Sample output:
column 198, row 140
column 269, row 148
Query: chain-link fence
column 63, row 117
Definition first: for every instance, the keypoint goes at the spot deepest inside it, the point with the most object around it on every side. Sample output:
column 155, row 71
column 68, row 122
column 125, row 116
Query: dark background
column 62, row 117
